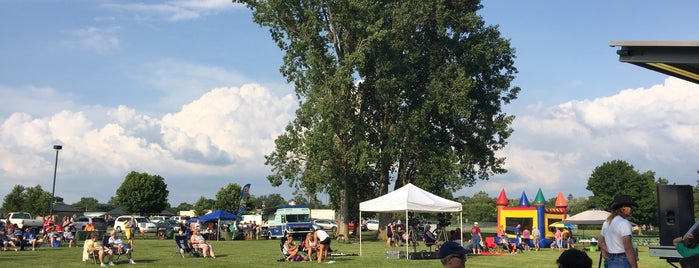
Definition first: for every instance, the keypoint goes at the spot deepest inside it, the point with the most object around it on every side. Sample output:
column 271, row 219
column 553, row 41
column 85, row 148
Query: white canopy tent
column 592, row 216
column 409, row 198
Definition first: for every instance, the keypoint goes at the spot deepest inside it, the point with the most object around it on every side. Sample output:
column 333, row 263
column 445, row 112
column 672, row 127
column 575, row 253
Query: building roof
column 61, row 207
column 675, row 58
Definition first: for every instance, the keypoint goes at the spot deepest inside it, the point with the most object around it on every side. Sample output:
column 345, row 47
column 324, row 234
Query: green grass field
column 151, row 252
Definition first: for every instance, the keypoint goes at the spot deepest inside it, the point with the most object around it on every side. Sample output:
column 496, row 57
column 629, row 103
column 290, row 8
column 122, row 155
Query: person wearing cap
column 615, row 241
column 452, row 255
column 476, row 236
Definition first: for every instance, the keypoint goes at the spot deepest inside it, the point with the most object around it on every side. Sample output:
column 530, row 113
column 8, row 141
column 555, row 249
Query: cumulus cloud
column 224, row 132
column 556, row 148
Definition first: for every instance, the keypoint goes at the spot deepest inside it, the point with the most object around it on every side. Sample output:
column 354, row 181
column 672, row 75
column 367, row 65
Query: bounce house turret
column 562, row 204
column 540, row 205
column 524, row 201
column 502, row 199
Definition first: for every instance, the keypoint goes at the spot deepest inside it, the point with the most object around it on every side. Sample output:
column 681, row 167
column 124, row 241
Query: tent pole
column 360, row 233
column 407, row 231
column 461, row 223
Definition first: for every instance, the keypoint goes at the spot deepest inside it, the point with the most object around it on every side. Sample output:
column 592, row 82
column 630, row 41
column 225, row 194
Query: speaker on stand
column 675, row 211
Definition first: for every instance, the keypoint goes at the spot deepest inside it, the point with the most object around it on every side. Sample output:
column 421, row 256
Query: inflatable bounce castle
column 531, row 216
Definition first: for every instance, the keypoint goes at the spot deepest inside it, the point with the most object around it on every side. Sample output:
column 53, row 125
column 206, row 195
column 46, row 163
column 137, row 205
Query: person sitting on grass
column 508, row 245
column 30, row 238
column 291, row 250
column 199, row 242
column 115, row 243
column 310, row 245
column 94, row 246
column 6, row 242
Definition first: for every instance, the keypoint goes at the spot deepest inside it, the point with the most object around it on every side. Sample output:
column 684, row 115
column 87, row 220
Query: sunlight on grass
column 265, row 253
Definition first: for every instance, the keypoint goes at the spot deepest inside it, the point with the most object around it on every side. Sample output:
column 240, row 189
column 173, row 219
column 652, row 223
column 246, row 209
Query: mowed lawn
column 265, row 253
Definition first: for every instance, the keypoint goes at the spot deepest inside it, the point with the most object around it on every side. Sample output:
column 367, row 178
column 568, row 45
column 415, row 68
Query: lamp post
column 55, row 167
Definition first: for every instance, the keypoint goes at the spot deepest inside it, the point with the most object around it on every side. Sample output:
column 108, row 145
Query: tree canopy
column 27, row 199
column 143, row 193
column 619, row 177
column 411, row 89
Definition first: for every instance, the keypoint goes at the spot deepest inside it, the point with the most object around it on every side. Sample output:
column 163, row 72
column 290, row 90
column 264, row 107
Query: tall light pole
column 55, row 167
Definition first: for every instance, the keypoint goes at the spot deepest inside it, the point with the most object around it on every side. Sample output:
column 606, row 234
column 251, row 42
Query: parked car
column 179, row 219
column 23, row 220
column 99, row 223
column 168, row 224
column 143, row 224
column 372, row 225
column 330, row 225
column 157, row 218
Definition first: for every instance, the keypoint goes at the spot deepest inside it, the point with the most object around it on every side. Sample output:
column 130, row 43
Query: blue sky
column 191, row 90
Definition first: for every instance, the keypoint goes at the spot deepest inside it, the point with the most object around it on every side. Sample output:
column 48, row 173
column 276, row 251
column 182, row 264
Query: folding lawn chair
column 183, row 246
column 115, row 251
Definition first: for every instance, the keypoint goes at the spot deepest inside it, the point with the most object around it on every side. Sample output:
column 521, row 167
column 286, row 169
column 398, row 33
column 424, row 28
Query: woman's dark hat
column 621, row 200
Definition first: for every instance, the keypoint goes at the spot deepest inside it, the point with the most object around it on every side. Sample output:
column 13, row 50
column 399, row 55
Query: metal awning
column 676, row 58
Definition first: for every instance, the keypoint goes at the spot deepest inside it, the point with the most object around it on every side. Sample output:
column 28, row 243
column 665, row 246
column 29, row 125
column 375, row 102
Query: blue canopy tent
column 217, row 216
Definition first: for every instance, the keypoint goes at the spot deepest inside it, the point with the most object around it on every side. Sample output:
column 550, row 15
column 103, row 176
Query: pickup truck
column 23, row 220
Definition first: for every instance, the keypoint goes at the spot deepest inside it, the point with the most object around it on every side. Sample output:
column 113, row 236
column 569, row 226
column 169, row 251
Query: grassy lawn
column 265, row 253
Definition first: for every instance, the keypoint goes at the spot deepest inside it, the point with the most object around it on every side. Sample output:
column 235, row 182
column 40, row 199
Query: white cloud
column 222, row 134
column 227, row 131
column 557, row 148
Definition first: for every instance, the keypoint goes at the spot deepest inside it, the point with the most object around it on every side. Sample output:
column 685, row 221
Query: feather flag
column 243, row 200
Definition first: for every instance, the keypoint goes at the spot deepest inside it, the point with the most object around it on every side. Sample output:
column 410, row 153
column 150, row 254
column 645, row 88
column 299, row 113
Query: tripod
column 412, row 237
column 441, row 234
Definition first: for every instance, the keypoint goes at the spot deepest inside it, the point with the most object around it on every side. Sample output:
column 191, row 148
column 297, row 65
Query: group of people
column 317, row 242
column 114, row 246
column 13, row 237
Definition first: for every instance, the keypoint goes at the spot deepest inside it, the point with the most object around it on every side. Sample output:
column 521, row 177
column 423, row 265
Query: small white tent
column 408, row 198
column 592, row 216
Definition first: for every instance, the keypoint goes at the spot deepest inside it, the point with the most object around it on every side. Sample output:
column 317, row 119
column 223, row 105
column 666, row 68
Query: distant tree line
column 145, row 194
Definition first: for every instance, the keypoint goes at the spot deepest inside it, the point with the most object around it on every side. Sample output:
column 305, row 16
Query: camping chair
column 429, row 240
column 183, row 246
column 490, row 244
column 116, row 253
column 88, row 255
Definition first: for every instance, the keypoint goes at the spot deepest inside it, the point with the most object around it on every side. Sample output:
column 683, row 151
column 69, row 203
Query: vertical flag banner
column 243, row 200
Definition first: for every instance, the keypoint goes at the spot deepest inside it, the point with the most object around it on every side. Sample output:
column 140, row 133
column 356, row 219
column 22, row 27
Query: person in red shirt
column 350, row 226
column 476, row 236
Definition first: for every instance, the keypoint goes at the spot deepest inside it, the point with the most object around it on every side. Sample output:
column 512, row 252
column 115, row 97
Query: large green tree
column 411, row 89
column 87, row 204
column 479, row 207
column 27, row 199
column 184, row 206
column 203, row 205
column 266, row 201
column 228, row 198
column 620, row 177
column 142, row 193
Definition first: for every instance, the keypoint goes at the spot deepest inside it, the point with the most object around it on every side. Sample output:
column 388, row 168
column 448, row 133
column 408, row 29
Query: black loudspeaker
column 675, row 211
